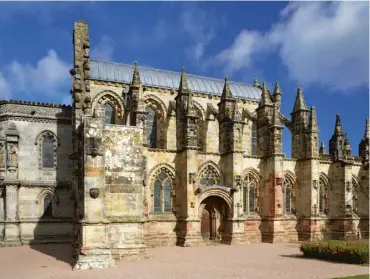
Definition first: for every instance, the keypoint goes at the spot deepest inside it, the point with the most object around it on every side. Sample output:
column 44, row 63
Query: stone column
column 11, row 213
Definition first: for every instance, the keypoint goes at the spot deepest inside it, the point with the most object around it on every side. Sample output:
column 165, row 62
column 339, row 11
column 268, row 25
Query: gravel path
column 252, row 261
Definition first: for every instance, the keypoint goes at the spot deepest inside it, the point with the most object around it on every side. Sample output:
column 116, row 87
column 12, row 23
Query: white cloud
column 103, row 50
column 200, row 27
column 239, row 55
column 47, row 75
column 318, row 42
column 5, row 92
column 48, row 78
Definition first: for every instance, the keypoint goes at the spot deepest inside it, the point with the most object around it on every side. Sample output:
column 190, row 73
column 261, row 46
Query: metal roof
column 108, row 71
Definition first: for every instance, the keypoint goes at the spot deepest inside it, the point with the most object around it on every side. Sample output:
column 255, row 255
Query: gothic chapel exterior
column 147, row 157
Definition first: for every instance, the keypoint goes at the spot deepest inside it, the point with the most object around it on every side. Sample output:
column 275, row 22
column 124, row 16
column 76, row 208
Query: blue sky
column 322, row 47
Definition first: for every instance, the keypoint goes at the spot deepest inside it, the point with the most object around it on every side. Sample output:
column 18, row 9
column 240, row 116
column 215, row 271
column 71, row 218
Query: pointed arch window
column 355, row 189
column 323, row 197
column 48, row 206
column 288, row 196
column 250, row 195
column 151, row 127
column 109, row 113
column 48, row 152
column 254, row 138
column 47, row 145
column 162, row 196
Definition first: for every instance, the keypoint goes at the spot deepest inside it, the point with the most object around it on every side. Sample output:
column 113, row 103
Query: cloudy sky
column 322, row 47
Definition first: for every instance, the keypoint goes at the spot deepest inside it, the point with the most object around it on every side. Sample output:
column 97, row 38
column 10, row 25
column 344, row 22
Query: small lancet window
column 254, row 139
column 288, row 191
column 48, row 152
column 151, row 127
column 48, row 206
column 109, row 113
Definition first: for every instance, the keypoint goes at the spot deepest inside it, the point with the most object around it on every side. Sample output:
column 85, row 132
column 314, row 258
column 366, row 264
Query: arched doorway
column 214, row 219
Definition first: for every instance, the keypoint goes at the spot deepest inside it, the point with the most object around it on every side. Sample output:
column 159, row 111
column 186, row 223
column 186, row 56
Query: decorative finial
column 277, row 88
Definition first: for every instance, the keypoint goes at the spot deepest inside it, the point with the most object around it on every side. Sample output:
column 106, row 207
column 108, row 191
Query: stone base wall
column 252, row 231
column 160, row 233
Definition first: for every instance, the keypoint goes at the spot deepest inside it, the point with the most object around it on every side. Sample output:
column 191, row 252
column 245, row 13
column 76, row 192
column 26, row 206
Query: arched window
column 355, row 189
column 250, row 194
column 47, row 145
column 254, row 139
column 109, row 113
column 48, row 206
column 323, row 197
column 162, row 193
column 209, row 176
column 288, row 187
column 151, row 127
column 48, row 152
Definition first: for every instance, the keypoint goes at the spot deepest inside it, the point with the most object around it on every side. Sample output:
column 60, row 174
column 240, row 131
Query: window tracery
column 250, row 194
column 289, row 195
column 209, row 176
column 162, row 193
column 323, row 197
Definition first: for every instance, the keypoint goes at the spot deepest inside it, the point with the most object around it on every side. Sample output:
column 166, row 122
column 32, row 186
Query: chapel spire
column 312, row 122
column 299, row 104
column 226, row 92
column 322, row 148
column 338, row 130
column 265, row 97
column 136, row 76
column 183, row 88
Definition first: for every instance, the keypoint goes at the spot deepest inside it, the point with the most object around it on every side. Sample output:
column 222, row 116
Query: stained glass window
column 167, row 196
column 287, row 197
column 254, row 139
column 162, row 193
column 48, row 152
column 251, row 198
column 151, row 127
column 157, row 196
column 48, row 209
column 109, row 113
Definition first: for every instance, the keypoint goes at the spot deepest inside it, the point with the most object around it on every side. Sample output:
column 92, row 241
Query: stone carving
column 237, row 182
column 12, row 155
column 349, row 186
column 94, row 192
column 93, row 146
column 315, row 184
column 2, row 155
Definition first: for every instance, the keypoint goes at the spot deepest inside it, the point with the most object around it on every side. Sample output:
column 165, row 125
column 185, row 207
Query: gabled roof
column 114, row 72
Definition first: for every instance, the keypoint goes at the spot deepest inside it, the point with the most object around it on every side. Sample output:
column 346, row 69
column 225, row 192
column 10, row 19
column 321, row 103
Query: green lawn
column 365, row 276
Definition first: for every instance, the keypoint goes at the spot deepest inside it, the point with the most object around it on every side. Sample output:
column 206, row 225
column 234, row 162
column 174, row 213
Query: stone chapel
column 147, row 157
